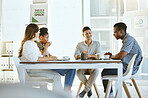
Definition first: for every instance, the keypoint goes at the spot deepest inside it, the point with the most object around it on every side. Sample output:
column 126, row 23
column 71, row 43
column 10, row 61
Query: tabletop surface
column 73, row 61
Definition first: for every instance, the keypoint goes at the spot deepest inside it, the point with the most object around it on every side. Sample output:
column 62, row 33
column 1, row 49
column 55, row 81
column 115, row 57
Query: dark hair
column 30, row 31
column 85, row 28
column 43, row 31
column 121, row 26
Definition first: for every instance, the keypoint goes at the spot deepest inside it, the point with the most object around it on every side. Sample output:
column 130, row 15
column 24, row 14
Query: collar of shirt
column 87, row 45
column 125, row 37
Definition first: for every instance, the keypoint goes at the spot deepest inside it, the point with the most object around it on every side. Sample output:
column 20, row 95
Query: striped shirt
column 92, row 49
column 131, row 46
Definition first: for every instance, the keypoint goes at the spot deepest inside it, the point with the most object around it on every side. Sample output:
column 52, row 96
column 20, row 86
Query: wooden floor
column 12, row 77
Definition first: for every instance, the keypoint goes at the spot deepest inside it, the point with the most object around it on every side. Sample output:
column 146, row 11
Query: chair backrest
column 17, row 64
column 36, row 78
column 129, row 70
column 139, row 70
column 16, row 61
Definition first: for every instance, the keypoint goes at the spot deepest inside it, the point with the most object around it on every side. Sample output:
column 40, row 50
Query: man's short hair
column 85, row 28
column 43, row 31
column 121, row 26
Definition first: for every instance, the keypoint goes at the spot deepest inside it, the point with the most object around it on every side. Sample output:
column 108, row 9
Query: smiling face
column 87, row 34
column 44, row 39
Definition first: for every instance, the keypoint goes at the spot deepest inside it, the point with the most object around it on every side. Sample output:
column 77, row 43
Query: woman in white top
column 30, row 52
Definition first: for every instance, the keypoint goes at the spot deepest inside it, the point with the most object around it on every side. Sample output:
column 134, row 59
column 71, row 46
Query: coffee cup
column 106, row 56
column 97, row 55
column 83, row 56
column 65, row 58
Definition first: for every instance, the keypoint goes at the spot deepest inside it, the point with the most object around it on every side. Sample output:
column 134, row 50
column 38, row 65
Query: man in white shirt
column 90, row 48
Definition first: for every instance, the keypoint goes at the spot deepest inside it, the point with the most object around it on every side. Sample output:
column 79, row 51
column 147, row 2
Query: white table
column 76, row 64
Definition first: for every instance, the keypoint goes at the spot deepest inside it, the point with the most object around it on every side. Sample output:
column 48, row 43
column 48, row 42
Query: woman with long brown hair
column 30, row 52
column 29, row 47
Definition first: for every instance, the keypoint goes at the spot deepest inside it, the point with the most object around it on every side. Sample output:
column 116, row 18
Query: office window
column 103, row 15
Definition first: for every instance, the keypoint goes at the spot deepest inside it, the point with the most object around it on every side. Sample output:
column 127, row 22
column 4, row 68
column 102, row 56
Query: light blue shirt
column 131, row 46
column 92, row 49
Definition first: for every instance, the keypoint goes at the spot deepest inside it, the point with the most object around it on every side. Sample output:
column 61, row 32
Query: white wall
column 0, row 16
column 0, row 10
column 131, row 5
column 64, row 23
column 15, row 16
column 65, row 26
column 143, row 4
column 86, row 13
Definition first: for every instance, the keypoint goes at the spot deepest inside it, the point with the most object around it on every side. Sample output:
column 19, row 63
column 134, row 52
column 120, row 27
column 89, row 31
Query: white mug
column 65, row 58
column 106, row 56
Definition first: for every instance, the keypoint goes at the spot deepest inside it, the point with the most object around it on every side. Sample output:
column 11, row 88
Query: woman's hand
column 53, row 58
column 47, row 44
column 45, row 49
